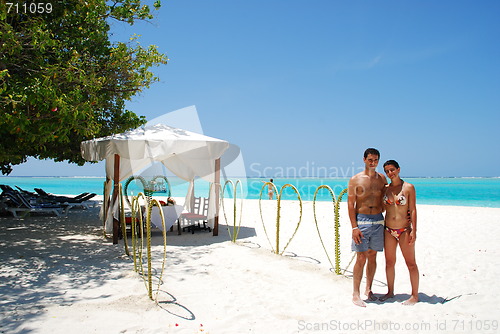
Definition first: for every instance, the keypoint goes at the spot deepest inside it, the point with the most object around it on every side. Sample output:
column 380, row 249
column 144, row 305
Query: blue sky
column 311, row 84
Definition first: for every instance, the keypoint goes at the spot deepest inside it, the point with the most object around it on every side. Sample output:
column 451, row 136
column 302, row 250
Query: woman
column 400, row 228
column 270, row 189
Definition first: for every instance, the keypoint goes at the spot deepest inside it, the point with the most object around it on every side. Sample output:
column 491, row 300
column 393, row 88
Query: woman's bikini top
column 401, row 199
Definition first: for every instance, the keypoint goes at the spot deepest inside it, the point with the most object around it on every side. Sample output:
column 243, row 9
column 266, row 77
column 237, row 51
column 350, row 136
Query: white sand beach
column 59, row 275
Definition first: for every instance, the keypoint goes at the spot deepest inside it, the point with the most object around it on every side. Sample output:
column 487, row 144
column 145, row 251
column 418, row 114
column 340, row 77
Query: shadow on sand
column 43, row 258
column 200, row 238
column 186, row 249
column 401, row 297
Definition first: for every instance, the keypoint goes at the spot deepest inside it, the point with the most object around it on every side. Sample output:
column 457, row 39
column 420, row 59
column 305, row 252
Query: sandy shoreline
column 59, row 275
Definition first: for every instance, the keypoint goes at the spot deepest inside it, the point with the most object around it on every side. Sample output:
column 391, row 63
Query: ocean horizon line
column 461, row 191
column 263, row 177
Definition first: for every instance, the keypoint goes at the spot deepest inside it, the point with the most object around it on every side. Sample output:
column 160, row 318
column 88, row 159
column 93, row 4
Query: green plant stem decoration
column 138, row 251
column 316, row 221
column 236, row 228
column 137, row 232
column 275, row 190
column 127, row 183
column 337, row 233
column 336, row 203
column 276, row 250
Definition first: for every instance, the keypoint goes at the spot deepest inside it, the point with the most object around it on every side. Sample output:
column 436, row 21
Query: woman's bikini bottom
column 396, row 232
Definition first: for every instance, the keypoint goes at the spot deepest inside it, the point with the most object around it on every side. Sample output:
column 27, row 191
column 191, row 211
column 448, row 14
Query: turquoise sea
column 478, row 192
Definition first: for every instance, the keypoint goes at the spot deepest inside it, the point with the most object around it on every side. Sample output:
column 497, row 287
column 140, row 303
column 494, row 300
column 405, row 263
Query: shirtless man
column 365, row 207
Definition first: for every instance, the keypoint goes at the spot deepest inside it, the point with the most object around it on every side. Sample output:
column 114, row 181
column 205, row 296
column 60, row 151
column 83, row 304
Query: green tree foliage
column 61, row 79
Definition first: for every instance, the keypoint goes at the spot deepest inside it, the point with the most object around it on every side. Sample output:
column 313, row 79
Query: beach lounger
column 83, row 199
column 77, row 199
column 26, row 192
column 6, row 188
column 15, row 203
column 199, row 215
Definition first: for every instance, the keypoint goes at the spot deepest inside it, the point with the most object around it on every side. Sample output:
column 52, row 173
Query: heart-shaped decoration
column 151, row 203
column 138, row 242
column 235, row 227
column 127, row 183
column 336, row 203
column 276, row 250
column 137, row 229
column 275, row 191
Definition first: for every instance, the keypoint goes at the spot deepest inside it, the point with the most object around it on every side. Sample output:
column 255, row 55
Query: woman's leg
column 390, row 246
column 409, row 255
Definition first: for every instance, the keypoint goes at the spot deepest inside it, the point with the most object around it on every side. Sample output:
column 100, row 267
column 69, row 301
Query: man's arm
column 351, row 208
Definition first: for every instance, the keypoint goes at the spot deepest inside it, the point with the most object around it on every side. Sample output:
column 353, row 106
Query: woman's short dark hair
column 391, row 162
column 373, row 151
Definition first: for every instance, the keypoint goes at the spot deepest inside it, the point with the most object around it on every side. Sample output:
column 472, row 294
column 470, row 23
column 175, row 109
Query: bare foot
column 371, row 296
column 387, row 296
column 411, row 301
column 358, row 301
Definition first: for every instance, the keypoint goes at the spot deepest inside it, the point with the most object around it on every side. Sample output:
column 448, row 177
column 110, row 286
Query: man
column 365, row 207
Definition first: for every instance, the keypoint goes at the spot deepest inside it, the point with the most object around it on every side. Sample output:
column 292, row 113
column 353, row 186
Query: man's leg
column 371, row 267
column 357, row 276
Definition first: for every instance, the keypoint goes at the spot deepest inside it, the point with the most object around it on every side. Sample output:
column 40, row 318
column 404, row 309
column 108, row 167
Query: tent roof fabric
column 186, row 154
column 156, row 142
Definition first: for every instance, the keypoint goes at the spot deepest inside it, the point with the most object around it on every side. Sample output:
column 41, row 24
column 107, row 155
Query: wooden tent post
column 217, row 190
column 116, row 181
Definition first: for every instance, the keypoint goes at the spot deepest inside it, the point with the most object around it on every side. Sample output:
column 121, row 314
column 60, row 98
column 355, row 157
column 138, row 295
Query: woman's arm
column 412, row 207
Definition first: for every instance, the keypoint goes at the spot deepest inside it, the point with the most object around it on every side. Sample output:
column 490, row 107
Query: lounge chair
column 82, row 199
column 6, row 188
column 15, row 202
column 26, row 192
column 199, row 214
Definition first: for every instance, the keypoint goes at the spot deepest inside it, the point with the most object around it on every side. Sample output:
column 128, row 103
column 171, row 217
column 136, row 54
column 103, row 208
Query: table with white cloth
column 170, row 212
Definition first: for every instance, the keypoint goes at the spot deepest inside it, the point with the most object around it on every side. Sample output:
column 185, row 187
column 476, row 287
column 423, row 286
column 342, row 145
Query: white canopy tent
column 187, row 154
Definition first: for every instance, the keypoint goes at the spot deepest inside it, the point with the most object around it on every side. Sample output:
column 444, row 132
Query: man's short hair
column 373, row 151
